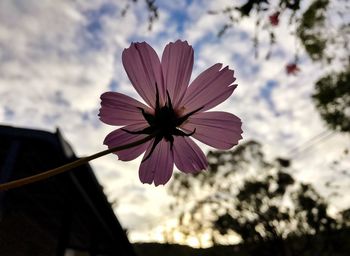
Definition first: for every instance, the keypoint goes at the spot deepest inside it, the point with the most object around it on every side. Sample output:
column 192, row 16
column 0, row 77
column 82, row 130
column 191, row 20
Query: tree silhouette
column 244, row 195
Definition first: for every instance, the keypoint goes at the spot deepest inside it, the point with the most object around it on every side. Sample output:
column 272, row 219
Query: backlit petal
column 120, row 137
column 188, row 157
column 209, row 89
column 159, row 166
column 142, row 65
column 177, row 64
column 119, row 109
column 220, row 130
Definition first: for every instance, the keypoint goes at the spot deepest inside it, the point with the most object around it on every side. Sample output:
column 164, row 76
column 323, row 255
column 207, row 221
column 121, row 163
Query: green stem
column 69, row 166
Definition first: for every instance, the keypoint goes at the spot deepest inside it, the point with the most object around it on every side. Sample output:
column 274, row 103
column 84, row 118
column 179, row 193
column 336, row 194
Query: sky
column 58, row 57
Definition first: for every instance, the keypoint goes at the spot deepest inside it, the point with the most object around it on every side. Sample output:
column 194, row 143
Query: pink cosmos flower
column 274, row 18
column 292, row 69
column 173, row 111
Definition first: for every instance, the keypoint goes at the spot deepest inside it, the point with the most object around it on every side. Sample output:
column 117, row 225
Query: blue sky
column 58, row 57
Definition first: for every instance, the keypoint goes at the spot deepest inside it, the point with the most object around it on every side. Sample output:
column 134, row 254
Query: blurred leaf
column 332, row 99
column 310, row 29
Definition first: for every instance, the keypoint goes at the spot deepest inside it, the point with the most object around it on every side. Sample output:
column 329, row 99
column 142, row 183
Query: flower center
column 164, row 123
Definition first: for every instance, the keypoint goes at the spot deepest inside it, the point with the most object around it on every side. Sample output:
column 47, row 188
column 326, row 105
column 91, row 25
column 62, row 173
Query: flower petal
column 177, row 64
column 119, row 137
column 188, row 157
column 209, row 89
column 142, row 65
column 220, row 130
column 159, row 166
column 119, row 109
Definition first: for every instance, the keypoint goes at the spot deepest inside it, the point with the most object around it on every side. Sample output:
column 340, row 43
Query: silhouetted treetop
column 245, row 195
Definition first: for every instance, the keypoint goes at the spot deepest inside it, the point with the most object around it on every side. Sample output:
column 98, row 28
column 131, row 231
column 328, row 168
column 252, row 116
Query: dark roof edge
column 57, row 140
column 68, row 151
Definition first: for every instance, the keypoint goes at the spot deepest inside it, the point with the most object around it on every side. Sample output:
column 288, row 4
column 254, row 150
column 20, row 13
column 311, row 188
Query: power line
column 311, row 143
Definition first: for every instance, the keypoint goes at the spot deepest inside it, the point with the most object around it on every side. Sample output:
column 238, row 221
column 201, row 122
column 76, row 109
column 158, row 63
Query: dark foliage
column 313, row 39
column 323, row 29
column 246, row 8
column 256, row 199
column 332, row 99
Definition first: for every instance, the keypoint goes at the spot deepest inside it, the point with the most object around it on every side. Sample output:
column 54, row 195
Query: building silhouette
column 65, row 215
